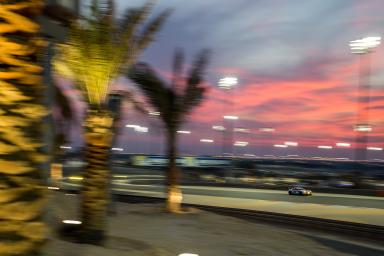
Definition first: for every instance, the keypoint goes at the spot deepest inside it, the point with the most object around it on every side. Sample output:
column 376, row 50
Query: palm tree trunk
column 174, row 195
column 22, row 192
column 95, row 184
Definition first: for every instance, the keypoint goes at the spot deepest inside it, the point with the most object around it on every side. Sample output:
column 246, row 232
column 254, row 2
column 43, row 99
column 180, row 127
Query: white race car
column 300, row 191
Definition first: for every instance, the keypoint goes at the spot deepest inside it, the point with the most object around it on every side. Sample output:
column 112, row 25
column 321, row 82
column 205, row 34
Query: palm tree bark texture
column 98, row 137
column 174, row 194
column 98, row 49
column 22, row 200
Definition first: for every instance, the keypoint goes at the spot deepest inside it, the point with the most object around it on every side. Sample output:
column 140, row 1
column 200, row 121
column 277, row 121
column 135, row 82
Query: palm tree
column 22, row 193
column 174, row 101
column 97, row 51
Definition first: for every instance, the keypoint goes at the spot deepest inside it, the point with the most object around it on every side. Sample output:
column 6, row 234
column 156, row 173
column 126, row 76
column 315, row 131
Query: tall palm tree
column 174, row 101
column 97, row 51
column 22, row 231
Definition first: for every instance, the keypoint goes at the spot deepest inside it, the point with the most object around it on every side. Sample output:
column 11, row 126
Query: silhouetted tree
column 174, row 101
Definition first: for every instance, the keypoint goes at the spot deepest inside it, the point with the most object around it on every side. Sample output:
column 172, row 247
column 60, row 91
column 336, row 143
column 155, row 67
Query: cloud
column 292, row 59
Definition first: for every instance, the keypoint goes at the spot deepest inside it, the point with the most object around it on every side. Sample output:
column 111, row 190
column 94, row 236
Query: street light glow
column 325, row 147
column 137, row 128
column 207, row 140
column 134, row 126
column 65, row 147
column 76, row 222
column 240, row 144
column 374, row 148
column 231, row 117
column 154, row 113
column 363, row 128
column 218, row 128
column 291, row 143
column 343, row 144
column 245, row 130
column 184, row 132
column 280, row 146
column 227, row 82
column 117, row 149
column 266, row 129
column 364, row 45
column 141, row 129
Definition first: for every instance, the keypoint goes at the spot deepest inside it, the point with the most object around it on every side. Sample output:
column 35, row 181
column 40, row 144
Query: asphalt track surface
column 354, row 208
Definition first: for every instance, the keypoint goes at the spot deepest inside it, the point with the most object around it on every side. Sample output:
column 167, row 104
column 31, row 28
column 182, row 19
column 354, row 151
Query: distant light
column 325, row 147
column 185, row 132
column 291, row 143
column 245, row 130
column 137, row 128
column 53, row 188
column 141, row 129
column 75, row 178
column 207, row 140
column 227, row 82
column 231, row 117
column 280, row 146
column 364, row 45
column 154, row 113
column 218, row 128
column 241, row 144
column 120, row 176
column 343, row 144
column 117, row 149
column 65, row 147
column 374, row 148
column 363, row 128
column 267, row 129
column 134, row 126
column 249, row 155
column 188, row 254
column 75, row 222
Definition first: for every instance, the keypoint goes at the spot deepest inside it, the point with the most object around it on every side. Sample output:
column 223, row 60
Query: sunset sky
column 295, row 72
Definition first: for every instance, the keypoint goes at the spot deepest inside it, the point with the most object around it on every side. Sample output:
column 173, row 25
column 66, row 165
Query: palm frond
column 194, row 90
column 148, row 34
column 97, row 51
column 132, row 19
column 138, row 41
column 151, row 86
column 178, row 63
column 172, row 106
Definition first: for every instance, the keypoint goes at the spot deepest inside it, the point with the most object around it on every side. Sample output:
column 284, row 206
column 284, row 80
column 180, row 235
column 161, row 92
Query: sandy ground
column 145, row 229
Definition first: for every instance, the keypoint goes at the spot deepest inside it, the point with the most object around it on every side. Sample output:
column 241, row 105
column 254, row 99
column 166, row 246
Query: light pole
column 207, row 141
column 363, row 47
column 153, row 129
column 228, row 83
column 182, row 148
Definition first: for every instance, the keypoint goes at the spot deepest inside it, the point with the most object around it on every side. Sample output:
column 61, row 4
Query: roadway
column 128, row 182
column 362, row 209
